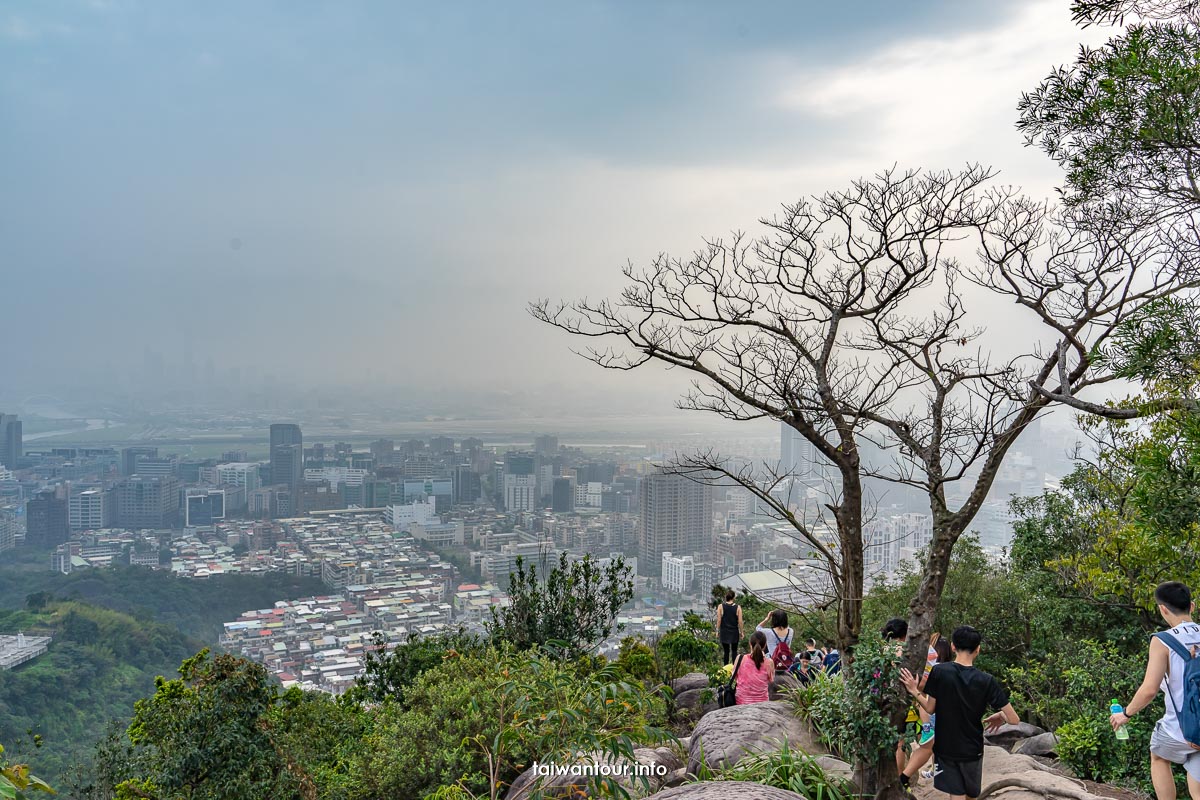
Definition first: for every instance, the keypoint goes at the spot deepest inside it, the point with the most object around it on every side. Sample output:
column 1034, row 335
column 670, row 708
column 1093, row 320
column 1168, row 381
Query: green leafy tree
column 16, row 781
column 388, row 673
column 574, row 606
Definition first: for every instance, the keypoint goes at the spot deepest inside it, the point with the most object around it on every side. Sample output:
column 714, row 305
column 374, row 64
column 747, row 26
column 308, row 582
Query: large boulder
column 726, row 790
column 836, row 768
column 693, row 680
column 1007, row 735
column 658, row 764
column 1030, row 779
column 783, row 684
column 723, row 736
column 692, row 703
column 1044, row 744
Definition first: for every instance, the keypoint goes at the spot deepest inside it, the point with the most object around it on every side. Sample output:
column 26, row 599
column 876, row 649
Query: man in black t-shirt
column 959, row 694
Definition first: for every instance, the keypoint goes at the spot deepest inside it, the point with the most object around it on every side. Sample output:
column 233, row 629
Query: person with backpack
column 1173, row 667
column 832, row 662
column 730, row 628
column 779, row 639
column 959, row 694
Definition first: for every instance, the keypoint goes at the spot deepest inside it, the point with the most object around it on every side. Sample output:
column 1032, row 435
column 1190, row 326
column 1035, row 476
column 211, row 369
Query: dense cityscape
column 417, row 536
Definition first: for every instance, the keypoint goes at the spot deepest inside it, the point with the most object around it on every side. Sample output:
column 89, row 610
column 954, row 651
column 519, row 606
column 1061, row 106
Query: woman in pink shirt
column 756, row 673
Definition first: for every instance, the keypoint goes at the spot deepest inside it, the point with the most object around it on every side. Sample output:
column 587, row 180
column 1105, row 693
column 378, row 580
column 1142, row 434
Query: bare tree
column 846, row 322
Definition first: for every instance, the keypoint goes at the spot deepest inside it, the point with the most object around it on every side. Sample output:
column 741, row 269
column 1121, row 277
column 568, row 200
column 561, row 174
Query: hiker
column 924, row 749
column 895, row 630
column 756, row 673
column 958, row 694
column 779, row 639
column 804, row 671
column 816, row 656
column 1165, row 670
column 832, row 662
column 730, row 628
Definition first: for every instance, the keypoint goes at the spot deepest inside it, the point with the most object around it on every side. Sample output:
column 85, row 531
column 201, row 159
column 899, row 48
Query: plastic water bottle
column 1117, row 708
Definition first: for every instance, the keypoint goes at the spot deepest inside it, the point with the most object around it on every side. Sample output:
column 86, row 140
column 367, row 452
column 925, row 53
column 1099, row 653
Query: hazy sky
column 336, row 187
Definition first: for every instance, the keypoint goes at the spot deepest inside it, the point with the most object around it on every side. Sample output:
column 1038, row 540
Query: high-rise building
column 90, row 510
column 130, row 456
column 440, row 445
column 203, row 507
column 242, row 473
column 145, row 502
column 546, row 444
column 46, row 520
column 157, row 467
column 287, row 455
column 10, row 441
column 676, row 517
column 562, row 498
column 468, row 486
column 800, row 458
column 8, row 530
column 384, row 451
column 520, row 492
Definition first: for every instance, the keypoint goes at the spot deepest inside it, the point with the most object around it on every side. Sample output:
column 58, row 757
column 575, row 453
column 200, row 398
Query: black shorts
column 959, row 777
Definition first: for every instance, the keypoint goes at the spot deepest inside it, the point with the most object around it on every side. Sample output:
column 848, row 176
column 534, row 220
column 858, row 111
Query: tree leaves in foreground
column 575, row 606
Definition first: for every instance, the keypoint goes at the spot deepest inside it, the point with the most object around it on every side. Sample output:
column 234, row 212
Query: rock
column 1001, row 765
column 1007, row 734
column 783, row 684
column 677, row 778
column 570, row 781
column 693, row 680
column 692, row 703
column 1044, row 744
column 836, row 768
column 726, row 790
column 723, row 736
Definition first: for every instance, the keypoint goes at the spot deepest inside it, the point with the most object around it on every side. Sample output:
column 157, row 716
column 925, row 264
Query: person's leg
column 1193, row 787
column 920, row 758
column 1161, row 777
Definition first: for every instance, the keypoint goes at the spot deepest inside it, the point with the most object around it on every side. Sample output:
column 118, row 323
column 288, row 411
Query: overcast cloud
column 374, row 191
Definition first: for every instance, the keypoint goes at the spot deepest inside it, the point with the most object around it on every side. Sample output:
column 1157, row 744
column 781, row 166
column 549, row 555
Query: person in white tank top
column 1164, row 672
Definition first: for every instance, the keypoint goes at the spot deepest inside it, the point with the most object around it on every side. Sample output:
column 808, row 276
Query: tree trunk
column 850, row 535
column 922, row 611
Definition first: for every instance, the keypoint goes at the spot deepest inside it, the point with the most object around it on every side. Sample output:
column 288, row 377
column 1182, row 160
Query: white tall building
column 422, row 512
column 8, row 530
column 88, row 511
column 336, row 476
column 237, row 473
column 678, row 572
column 520, row 492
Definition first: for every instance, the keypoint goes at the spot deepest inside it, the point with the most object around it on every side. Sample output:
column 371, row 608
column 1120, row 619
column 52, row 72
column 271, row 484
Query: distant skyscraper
column 130, row 456
column 10, row 441
column 440, row 445
column 676, row 517
column 287, row 455
column 46, row 520
column 563, row 495
column 546, row 444
column 144, row 502
column 384, row 451
column 799, row 458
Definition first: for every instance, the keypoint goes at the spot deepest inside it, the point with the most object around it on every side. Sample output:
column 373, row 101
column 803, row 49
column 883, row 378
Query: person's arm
column 910, row 683
column 720, row 613
column 766, row 619
column 741, row 625
column 1156, row 670
column 1007, row 714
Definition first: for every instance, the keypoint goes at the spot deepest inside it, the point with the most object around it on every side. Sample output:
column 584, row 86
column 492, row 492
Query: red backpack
column 782, row 656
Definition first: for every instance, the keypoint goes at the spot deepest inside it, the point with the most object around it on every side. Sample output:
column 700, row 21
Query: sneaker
column 931, row 773
column 926, row 735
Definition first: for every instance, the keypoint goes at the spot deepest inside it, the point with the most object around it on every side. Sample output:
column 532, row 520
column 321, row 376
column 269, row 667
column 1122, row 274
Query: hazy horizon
column 212, row 204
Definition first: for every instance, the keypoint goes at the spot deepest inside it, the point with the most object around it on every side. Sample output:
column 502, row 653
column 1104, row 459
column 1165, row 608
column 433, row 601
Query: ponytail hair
column 758, row 648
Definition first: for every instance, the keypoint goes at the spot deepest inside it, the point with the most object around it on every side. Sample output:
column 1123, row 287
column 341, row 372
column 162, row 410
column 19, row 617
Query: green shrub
column 850, row 710
column 789, row 769
column 1069, row 693
column 475, row 722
